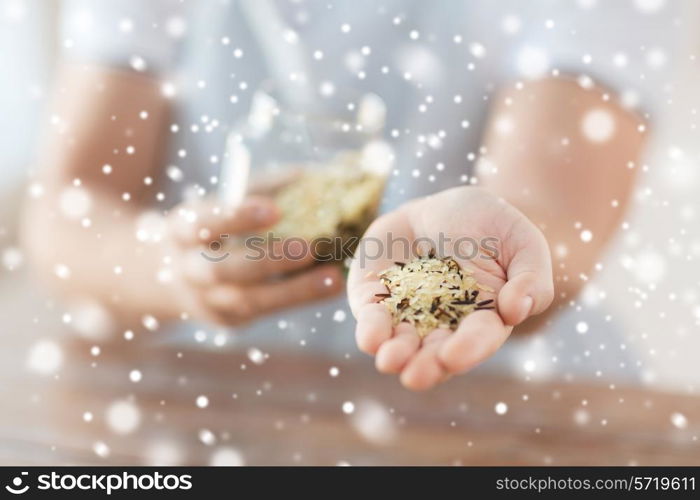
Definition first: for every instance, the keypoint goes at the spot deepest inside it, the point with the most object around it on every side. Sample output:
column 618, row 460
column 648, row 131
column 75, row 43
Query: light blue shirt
column 435, row 64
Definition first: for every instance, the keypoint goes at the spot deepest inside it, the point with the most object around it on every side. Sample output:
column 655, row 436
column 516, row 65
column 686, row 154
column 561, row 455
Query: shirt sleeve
column 629, row 47
column 140, row 34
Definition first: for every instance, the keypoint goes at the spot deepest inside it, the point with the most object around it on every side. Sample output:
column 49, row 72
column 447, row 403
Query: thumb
column 199, row 223
column 530, row 288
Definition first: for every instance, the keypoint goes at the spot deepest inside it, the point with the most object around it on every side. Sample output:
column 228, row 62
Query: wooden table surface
column 289, row 410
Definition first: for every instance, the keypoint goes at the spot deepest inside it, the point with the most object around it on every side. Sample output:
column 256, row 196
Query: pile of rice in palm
column 431, row 293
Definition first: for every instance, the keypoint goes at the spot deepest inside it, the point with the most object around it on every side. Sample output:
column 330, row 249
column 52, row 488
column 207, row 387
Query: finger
column 525, row 294
column 209, row 221
column 250, row 267
column 196, row 269
column 202, row 267
column 363, row 294
column 393, row 354
column 195, row 304
column 229, row 304
column 424, row 370
column 374, row 327
column 477, row 337
column 377, row 251
column 529, row 289
column 321, row 282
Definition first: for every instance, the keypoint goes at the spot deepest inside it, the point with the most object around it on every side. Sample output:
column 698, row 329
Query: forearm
column 104, row 261
column 550, row 166
column 96, row 168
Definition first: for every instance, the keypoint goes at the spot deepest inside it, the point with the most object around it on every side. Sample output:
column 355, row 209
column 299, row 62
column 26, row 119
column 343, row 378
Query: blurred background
column 65, row 400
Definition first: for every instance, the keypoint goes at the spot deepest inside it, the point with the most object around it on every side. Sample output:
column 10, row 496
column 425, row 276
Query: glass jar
column 325, row 166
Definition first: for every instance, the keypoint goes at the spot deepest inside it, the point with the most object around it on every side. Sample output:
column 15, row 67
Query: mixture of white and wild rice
column 431, row 293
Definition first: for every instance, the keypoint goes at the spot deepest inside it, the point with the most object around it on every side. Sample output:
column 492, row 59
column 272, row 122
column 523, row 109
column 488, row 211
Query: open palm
column 513, row 260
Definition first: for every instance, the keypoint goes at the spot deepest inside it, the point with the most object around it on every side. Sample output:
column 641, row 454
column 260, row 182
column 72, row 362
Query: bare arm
column 564, row 171
column 105, row 117
column 97, row 118
column 542, row 141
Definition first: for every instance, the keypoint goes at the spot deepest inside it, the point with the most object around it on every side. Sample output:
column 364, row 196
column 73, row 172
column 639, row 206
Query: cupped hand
column 231, row 284
column 482, row 232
